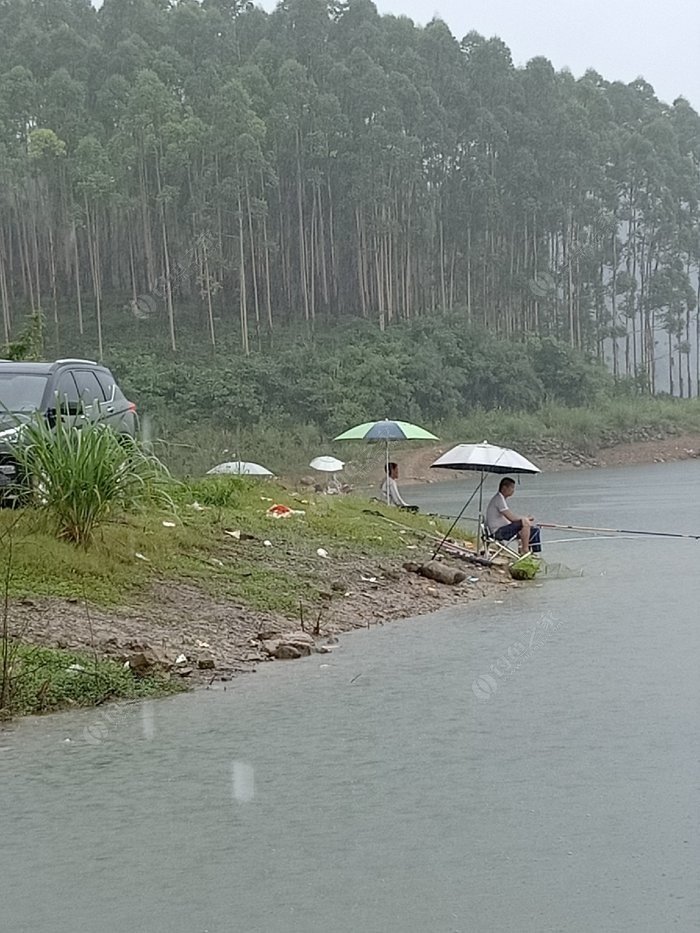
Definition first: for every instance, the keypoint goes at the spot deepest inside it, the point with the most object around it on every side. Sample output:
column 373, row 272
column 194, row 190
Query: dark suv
column 82, row 389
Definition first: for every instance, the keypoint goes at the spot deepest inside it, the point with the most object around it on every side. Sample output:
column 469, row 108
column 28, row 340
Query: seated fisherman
column 505, row 524
column 390, row 489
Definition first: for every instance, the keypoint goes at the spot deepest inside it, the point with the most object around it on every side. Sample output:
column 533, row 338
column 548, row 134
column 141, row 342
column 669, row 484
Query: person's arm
column 512, row 517
column 394, row 494
column 507, row 513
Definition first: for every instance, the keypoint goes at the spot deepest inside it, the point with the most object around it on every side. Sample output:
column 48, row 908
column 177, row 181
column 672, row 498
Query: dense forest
column 204, row 166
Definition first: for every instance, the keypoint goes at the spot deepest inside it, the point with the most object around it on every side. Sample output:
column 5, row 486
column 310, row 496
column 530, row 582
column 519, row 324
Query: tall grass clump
column 84, row 476
column 230, row 492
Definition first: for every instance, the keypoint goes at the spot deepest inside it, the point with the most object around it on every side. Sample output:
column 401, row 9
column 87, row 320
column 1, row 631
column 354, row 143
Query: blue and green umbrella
column 386, row 430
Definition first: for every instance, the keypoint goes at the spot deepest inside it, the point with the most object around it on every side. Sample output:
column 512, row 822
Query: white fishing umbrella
column 239, row 468
column 483, row 458
column 327, row 464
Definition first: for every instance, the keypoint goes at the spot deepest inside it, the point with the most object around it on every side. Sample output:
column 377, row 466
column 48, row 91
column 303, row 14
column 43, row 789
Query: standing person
column 504, row 524
column 390, row 489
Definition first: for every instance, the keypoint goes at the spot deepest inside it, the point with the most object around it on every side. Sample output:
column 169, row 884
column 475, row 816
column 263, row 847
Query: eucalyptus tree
column 323, row 162
column 94, row 187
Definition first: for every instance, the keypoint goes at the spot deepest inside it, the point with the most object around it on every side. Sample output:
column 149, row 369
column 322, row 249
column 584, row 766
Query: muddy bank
column 181, row 629
column 553, row 457
column 650, row 450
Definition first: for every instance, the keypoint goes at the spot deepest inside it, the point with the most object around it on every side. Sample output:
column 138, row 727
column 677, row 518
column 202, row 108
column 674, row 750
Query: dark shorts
column 513, row 529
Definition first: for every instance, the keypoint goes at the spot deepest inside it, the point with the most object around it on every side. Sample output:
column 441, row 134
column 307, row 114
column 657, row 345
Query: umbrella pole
column 481, row 507
column 386, row 468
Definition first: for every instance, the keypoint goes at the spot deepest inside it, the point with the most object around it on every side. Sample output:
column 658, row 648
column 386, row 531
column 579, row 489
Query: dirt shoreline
column 415, row 464
column 221, row 638
column 227, row 638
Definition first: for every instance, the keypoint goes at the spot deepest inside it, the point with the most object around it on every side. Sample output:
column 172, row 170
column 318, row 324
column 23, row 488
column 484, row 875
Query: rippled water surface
column 528, row 763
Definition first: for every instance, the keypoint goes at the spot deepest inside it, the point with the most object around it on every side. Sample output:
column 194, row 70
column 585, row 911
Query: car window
column 109, row 387
column 66, row 389
column 21, row 391
column 89, row 389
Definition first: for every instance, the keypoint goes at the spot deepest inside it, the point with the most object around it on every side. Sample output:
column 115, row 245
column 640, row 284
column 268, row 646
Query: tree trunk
column 93, row 252
column 268, row 285
column 242, row 294
column 207, row 291
column 4, row 298
column 302, row 236
column 166, row 260
column 78, row 290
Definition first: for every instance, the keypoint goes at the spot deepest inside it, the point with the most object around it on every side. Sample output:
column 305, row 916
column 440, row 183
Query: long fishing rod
column 455, row 522
column 435, row 539
column 619, row 531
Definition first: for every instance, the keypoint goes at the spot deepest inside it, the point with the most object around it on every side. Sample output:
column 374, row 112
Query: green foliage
column 428, row 371
column 584, row 430
column 568, row 377
column 459, row 381
column 85, row 475
column 226, row 492
column 29, row 344
column 211, row 173
column 41, row 680
column 44, row 145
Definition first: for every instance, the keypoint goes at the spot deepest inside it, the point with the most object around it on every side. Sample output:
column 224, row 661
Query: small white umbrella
column 483, row 458
column 327, row 464
column 239, row 468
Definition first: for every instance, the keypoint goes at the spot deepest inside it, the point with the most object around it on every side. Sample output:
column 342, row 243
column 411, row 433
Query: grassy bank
column 213, row 538
column 287, row 450
column 271, row 567
column 218, row 542
column 588, row 430
column 35, row 679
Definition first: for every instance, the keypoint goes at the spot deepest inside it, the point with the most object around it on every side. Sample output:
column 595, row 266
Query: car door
column 119, row 412
column 66, row 397
column 90, row 394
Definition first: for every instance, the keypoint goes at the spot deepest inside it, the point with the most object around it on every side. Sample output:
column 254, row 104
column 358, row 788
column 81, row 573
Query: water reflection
column 148, row 719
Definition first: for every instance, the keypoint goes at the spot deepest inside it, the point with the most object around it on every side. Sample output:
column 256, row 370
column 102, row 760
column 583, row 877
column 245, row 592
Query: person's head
column 392, row 470
column 507, row 486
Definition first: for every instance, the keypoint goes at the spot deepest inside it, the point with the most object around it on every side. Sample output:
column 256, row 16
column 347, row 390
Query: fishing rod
column 619, row 531
column 456, row 521
column 450, row 546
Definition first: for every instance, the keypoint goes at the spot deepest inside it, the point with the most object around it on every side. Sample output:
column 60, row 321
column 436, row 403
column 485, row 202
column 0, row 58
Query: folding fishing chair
column 494, row 548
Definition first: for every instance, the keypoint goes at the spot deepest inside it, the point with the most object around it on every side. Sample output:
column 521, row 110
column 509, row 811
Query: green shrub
column 568, row 376
column 39, row 680
column 83, row 476
column 226, row 492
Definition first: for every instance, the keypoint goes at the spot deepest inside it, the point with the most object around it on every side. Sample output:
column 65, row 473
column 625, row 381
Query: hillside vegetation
column 284, row 404
column 208, row 167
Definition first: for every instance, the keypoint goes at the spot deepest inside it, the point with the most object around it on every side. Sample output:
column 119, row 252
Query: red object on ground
column 279, row 511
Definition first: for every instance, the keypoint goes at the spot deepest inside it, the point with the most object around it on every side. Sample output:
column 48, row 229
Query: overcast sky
column 658, row 39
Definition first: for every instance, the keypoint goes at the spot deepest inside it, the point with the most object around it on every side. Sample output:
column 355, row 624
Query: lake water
column 527, row 763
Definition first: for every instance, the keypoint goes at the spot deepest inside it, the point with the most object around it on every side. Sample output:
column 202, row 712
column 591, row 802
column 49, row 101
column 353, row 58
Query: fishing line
column 620, row 531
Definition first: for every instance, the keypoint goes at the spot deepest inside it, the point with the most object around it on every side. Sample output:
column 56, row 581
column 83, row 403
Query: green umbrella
column 386, row 431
